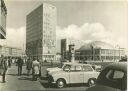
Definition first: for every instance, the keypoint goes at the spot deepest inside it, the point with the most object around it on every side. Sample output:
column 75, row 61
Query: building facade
column 41, row 32
column 3, row 15
column 99, row 51
column 10, row 51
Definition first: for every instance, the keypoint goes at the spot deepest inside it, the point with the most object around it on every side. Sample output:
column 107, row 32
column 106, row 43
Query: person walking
column 36, row 69
column 28, row 66
column 9, row 62
column 19, row 64
column 4, row 68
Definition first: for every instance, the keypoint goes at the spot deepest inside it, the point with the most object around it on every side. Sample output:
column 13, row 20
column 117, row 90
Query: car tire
column 60, row 83
column 91, row 82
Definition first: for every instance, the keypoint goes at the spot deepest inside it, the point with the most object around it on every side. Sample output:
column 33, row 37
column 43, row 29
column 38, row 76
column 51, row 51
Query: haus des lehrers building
column 3, row 14
column 41, row 32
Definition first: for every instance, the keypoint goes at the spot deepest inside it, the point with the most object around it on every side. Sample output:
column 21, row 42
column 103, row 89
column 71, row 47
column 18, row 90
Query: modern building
column 10, row 51
column 41, row 32
column 65, row 46
column 99, row 51
column 3, row 15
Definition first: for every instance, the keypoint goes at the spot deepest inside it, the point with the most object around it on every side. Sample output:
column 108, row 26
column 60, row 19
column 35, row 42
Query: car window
column 66, row 67
column 118, row 75
column 114, row 74
column 87, row 68
column 109, row 74
column 78, row 68
column 72, row 69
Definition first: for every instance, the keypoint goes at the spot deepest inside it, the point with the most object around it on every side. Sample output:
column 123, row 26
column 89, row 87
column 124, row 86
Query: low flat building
column 99, row 51
column 10, row 51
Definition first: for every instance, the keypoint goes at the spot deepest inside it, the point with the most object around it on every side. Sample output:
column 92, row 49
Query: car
column 73, row 73
column 112, row 78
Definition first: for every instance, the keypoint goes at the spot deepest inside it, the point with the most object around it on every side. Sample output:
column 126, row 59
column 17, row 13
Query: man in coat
column 29, row 66
column 36, row 69
column 19, row 64
column 4, row 68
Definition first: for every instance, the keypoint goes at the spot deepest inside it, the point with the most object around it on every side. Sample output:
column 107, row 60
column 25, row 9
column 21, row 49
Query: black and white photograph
column 63, row 45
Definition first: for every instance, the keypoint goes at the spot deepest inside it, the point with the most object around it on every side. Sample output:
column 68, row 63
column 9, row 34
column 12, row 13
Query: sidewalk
column 14, row 82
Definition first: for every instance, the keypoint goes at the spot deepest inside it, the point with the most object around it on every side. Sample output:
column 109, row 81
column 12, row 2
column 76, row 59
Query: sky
column 82, row 20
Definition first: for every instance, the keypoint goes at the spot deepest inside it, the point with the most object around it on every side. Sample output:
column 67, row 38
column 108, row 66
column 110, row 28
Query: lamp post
column 92, row 52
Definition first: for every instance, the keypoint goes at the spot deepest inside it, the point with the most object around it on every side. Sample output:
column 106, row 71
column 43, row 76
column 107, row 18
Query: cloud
column 93, row 32
column 86, row 32
column 16, row 37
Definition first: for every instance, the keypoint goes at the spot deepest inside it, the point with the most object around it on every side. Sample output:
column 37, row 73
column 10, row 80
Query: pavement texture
column 25, row 83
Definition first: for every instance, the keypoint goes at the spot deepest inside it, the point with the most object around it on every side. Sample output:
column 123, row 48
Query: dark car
column 112, row 78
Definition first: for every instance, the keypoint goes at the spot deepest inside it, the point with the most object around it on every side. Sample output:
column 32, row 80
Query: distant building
column 65, row 46
column 3, row 15
column 58, row 57
column 99, row 51
column 10, row 51
column 41, row 32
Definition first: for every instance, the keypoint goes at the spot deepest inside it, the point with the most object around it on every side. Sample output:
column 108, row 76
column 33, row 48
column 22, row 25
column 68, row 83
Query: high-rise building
column 41, row 32
column 3, row 14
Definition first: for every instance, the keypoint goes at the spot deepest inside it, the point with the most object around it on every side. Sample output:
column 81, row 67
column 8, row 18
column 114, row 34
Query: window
column 87, row 68
column 66, row 67
column 72, row 68
column 118, row 75
column 78, row 68
column 113, row 75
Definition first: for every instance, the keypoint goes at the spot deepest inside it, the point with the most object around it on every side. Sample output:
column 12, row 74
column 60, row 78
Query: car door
column 88, row 73
column 76, row 74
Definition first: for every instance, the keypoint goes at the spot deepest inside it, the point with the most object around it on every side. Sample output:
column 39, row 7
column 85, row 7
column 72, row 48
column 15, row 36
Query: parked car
column 73, row 73
column 112, row 78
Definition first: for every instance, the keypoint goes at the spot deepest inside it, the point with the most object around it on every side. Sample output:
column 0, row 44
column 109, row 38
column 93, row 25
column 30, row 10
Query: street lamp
column 92, row 52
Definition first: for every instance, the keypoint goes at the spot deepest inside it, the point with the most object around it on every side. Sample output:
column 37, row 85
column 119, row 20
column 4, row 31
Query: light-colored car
column 73, row 73
column 112, row 78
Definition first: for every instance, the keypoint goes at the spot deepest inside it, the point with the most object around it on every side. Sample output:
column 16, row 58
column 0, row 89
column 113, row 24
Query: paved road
column 24, row 82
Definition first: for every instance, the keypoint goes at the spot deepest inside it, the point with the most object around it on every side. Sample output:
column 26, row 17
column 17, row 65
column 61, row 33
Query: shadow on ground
column 25, row 78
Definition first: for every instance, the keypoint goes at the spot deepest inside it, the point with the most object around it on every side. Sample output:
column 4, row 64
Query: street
column 24, row 82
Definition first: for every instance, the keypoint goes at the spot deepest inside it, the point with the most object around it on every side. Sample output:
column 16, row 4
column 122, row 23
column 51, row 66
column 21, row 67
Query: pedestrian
column 29, row 66
column 9, row 62
column 19, row 64
column 36, row 69
column 4, row 68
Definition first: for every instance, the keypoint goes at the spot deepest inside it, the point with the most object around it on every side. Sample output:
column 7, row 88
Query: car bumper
column 50, row 79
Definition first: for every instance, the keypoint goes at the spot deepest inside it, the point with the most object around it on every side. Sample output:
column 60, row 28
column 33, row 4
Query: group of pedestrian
column 35, row 66
column 32, row 65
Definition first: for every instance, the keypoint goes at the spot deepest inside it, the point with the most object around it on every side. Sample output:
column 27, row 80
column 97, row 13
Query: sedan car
column 73, row 73
column 112, row 78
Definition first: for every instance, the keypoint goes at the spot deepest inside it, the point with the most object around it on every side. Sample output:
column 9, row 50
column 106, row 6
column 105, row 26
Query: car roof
column 74, row 63
column 118, row 65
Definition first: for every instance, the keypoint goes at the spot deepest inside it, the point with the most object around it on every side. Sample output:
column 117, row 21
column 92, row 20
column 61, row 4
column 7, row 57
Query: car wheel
column 91, row 82
column 60, row 83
